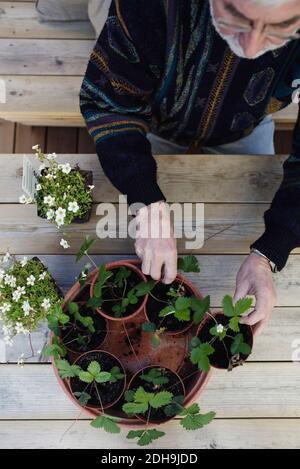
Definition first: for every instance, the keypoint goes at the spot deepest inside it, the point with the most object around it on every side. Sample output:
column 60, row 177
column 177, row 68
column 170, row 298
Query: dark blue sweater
column 159, row 66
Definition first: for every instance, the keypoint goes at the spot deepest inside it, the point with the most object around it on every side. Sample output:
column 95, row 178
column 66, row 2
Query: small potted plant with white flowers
column 28, row 295
column 63, row 194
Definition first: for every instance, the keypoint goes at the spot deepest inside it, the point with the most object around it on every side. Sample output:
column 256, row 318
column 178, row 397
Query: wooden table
column 258, row 405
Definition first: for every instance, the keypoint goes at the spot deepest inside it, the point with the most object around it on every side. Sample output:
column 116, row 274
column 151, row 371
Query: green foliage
column 116, row 374
column 200, row 308
column 144, row 400
column 240, row 346
column 66, row 370
column 83, row 398
column 155, row 376
column 108, row 424
column 55, row 349
column 175, row 407
column 200, row 355
column 94, row 373
column 145, row 437
column 84, row 248
column 188, row 264
column 193, row 419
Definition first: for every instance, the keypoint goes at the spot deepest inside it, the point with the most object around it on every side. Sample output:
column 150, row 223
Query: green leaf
column 94, row 368
column 166, row 311
column 234, row 324
column 200, row 354
column 135, row 408
column 228, row 307
column 221, row 335
column 66, row 370
column 183, row 315
column 193, row 409
column 161, row 399
column 129, row 395
column 103, row 276
column 73, row 308
column 175, row 407
column 94, row 302
column 82, row 397
column 155, row 376
column 54, row 350
column 115, row 374
column 143, row 288
column 188, row 264
column 155, row 340
column 197, row 421
column 86, row 245
column 107, row 423
column 200, row 308
column 86, row 377
column 103, row 377
column 195, row 342
column 145, row 436
column 149, row 327
column 242, row 306
column 239, row 346
column 183, row 302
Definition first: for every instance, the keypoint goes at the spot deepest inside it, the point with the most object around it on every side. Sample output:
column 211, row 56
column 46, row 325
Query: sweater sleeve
column 117, row 92
column 282, row 220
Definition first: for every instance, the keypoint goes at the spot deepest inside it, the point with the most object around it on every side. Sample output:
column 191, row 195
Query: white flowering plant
column 28, row 295
column 63, row 194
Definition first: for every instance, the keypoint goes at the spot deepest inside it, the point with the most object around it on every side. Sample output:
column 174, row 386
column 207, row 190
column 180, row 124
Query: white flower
column 2, row 274
column 220, row 329
column 19, row 328
column 50, row 176
column 64, row 196
column 49, row 200
column 6, row 258
column 38, row 187
column 36, row 147
column 10, row 280
column 24, row 261
column 5, row 308
column 46, row 303
column 8, row 340
column 91, row 187
column 73, row 207
column 83, row 275
column 51, row 156
column 26, row 308
column 64, row 244
column 30, row 280
column 16, row 296
column 42, row 275
column 50, row 214
column 25, row 200
column 60, row 216
column 60, row 221
column 66, row 168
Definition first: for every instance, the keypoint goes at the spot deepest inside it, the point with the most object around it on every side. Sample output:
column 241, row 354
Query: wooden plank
column 21, row 20
column 28, row 100
column 221, row 434
column 183, row 178
column 256, row 390
column 44, row 56
column 27, row 136
column 286, row 118
column 61, row 140
column 85, row 142
column 276, row 344
column 7, row 134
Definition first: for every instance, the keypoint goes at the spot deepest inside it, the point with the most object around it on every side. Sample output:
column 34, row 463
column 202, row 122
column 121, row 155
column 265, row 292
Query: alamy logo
column 296, row 93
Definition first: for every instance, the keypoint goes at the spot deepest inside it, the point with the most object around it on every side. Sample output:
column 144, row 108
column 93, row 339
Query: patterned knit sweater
column 159, row 66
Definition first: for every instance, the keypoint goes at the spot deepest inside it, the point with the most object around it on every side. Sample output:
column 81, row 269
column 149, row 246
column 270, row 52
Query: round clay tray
column 172, row 353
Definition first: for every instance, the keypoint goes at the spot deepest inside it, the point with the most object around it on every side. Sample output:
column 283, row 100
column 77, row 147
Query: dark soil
column 174, row 386
column 111, row 294
column 220, row 358
column 154, row 307
column 70, row 334
column 109, row 392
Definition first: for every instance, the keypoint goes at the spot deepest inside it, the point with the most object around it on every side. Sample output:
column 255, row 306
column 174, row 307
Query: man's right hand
column 155, row 242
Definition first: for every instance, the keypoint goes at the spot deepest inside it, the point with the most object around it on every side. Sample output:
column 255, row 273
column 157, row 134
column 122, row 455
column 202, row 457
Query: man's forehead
column 253, row 9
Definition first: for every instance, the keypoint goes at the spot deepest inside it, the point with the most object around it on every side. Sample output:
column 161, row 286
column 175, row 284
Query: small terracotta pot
column 142, row 418
column 116, row 265
column 119, row 364
column 207, row 319
column 194, row 292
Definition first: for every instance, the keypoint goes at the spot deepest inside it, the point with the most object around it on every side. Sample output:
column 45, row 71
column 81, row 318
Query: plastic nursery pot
column 139, row 276
column 219, row 359
column 110, row 393
column 88, row 179
column 173, row 325
column 69, row 336
column 175, row 385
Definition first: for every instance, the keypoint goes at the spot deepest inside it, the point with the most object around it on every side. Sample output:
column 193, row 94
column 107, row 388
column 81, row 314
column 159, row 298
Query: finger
column 241, row 290
column 252, row 318
column 139, row 251
column 156, row 266
column 260, row 327
column 263, row 309
column 170, row 270
column 146, row 263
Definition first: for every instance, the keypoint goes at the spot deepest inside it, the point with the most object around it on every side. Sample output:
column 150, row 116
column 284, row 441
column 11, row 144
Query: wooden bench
column 258, row 406
column 38, row 60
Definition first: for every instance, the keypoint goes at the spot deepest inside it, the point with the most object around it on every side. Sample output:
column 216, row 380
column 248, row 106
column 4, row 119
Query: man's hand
column 155, row 243
column 255, row 278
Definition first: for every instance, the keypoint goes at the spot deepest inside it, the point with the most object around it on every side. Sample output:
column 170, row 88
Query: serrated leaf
column 192, row 409
column 161, row 399
column 234, row 324
column 200, row 308
column 197, row 421
column 94, row 368
column 143, row 288
column 245, row 349
column 116, row 374
column 188, row 264
column 84, row 248
column 131, row 408
column 66, row 370
column 103, row 377
column 183, row 302
column 228, row 307
column 83, row 398
column 129, row 395
column 183, row 315
column 242, row 306
column 145, row 436
column 175, row 407
column 106, row 423
column 86, row 377
column 73, row 307
column 166, row 311
column 94, row 302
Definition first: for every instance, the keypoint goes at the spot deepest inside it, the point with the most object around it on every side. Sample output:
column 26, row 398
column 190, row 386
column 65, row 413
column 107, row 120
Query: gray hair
column 270, row 3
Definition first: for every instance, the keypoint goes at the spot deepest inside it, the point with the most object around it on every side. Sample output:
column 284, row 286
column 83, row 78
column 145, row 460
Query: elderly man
column 168, row 75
